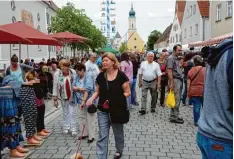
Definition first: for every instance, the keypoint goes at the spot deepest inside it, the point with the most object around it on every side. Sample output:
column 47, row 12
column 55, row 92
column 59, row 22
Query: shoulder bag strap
column 196, row 74
column 107, row 85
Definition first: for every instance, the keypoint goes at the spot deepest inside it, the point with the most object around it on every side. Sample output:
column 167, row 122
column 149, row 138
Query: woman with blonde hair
column 62, row 88
column 112, row 88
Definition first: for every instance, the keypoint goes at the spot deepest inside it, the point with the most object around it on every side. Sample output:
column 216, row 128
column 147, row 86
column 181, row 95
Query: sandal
column 118, row 155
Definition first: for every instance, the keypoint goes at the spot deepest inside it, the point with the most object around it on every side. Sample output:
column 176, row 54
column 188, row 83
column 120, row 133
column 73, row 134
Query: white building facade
column 195, row 24
column 221, row 20
column 37, row 14
column 175, row 34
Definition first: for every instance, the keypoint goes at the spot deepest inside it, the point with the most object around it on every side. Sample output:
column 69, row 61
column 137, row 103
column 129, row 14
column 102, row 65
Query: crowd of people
column 104, row 89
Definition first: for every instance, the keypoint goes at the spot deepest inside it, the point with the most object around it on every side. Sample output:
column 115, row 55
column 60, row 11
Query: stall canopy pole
column 27, row 52
column 10, row 50
column 19, row 51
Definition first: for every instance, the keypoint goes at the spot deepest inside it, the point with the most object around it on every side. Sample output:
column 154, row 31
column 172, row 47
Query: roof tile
column 204, row 7
column 165, row 34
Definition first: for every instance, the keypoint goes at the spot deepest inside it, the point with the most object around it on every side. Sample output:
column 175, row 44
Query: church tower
column 132, row 20
column 134, row 42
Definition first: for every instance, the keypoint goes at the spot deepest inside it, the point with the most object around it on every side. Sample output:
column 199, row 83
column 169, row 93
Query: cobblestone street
column 146, row 137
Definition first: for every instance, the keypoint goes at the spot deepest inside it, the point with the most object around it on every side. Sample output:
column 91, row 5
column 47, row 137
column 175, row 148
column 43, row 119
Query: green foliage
column 70, row 19
column 152, row 38
column 123, row 47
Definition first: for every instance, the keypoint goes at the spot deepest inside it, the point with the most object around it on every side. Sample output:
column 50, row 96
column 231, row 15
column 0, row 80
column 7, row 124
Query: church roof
column 132, row 13
column 117, row 35
column 165, row 34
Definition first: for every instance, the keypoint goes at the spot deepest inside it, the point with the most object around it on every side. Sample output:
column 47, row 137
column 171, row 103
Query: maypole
column 108, row 22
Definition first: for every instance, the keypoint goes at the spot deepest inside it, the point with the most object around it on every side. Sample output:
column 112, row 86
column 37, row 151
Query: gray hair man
column 149, row 79
column 175, row 82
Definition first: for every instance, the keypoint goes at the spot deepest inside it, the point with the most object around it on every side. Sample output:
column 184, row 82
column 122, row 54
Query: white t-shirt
column 150, row 71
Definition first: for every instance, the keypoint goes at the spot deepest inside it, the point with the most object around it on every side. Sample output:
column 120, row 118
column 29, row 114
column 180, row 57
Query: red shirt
column 197, row 85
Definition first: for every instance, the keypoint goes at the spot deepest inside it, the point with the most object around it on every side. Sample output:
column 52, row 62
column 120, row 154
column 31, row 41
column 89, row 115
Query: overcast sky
column 150, row 14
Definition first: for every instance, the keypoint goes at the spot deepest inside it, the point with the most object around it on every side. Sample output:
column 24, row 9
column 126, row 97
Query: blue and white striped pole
column 108, row 23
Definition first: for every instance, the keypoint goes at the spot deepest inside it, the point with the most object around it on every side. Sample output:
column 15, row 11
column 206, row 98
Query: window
column 187, row 13
column 191, row 30
column 13, row 19
column 38, row 17
column 113, row 29
column 134, row 38
column 48, row 18
column 176, row 38
column 132, row 26
column 191, row 10
column 229, row 8
column 13, row 7
column 38, row 46
column 185, row 33
column 196, row 29
column 180, row 37
column 135, row 47
column 171, row 40
column 218, row 12
column 194, row 9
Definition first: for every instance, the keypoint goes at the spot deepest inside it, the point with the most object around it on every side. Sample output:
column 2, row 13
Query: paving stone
column 33, row 156
column 164, row 158
column 137, row 157
column 169, row 154
column 158, row 154
column 51, row 151
column 40, row 151
column 45, row 156
column 58, row 156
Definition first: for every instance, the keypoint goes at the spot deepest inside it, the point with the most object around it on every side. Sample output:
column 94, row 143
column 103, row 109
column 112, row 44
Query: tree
column 152, row 38
column 68, row 18
column 123, row 47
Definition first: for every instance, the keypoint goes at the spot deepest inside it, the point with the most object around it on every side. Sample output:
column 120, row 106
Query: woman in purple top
column 127, row 67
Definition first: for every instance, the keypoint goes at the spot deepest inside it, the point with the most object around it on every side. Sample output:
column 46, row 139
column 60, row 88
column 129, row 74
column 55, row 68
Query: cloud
column 155, row 15
column 171, row 10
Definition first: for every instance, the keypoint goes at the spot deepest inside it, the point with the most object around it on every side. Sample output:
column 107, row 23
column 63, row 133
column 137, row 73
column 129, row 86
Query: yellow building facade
column 135, row 43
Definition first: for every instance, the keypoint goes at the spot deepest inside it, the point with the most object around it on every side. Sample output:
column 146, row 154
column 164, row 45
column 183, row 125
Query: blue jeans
column 197, row 103
column 104, row 124
column 184, row 96
column 129, row 98
column 133, row 91
column 214, row 149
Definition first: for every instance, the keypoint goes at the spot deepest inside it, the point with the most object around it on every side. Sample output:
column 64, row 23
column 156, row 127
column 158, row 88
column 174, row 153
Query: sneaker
column 90, row 141
column 179, row 118
column 65, row 131
column 73, row 133
column 142, row 112
column 153, row 111
column 162, row 105
column 177, row 121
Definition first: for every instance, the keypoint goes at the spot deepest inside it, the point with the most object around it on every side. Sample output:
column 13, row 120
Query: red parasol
column 29, row 33
column 10, row 38
column 68, row 37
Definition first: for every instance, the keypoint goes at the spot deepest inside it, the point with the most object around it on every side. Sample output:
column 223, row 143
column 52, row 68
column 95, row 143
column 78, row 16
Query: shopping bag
column 170, row 101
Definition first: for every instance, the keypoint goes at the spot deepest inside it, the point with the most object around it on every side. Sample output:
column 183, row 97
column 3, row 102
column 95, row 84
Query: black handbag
column 92, row 109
